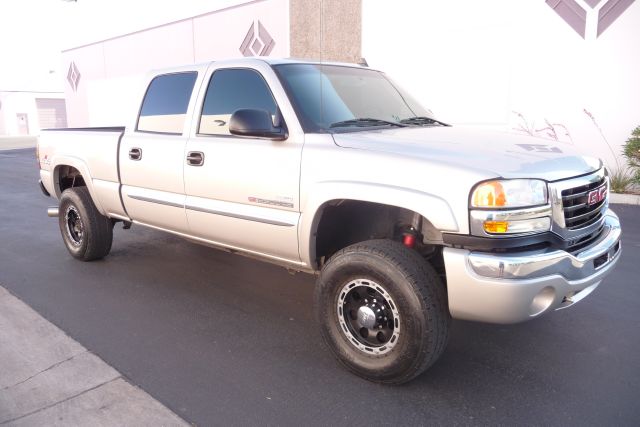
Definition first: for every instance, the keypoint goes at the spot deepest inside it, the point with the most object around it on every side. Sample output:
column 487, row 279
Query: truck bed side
column 93, row 152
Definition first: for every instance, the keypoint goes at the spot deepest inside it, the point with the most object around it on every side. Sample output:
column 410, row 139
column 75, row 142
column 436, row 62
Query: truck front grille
column 577, row 211
column 580, row 243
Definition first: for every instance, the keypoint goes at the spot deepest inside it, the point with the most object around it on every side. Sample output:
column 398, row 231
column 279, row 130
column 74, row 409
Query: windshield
column 334, row 98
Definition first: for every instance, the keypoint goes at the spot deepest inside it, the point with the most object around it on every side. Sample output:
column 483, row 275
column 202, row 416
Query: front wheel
column 382, row 310
column 86, row 233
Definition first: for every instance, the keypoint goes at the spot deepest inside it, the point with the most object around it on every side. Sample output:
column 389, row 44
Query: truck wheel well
column 345, row 222
column 69, row 177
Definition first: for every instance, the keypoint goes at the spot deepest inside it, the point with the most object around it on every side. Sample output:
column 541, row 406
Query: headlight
column 512, row 193
column 510, row 208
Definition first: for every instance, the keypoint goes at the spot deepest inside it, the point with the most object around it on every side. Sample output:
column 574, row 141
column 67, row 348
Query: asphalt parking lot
column 222, row 339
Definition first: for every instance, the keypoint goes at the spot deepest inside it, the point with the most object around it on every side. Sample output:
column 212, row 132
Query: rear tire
column 409, row 329
column 86, row 233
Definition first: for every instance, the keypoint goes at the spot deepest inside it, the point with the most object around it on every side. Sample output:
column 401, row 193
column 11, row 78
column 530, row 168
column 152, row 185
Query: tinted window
column 324, row 95
column 231, row 90
column 164, row 108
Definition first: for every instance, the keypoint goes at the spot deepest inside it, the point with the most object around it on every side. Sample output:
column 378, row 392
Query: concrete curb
column 47, row 378
column 624, row 199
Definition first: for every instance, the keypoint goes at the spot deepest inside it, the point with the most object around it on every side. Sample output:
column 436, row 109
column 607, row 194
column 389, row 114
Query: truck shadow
column 252, row 322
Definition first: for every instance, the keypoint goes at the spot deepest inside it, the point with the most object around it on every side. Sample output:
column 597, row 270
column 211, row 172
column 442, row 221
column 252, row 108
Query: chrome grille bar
column 573, row 218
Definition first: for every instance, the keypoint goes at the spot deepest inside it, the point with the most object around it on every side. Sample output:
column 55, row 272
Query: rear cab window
column 164, row 108
column 230, row 90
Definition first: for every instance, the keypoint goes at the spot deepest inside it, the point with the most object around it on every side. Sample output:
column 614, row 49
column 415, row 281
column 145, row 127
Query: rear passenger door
column 151, row 157
column 243, row 192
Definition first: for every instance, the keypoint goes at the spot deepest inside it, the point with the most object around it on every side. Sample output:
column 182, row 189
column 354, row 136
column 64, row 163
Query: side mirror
column 256, row 123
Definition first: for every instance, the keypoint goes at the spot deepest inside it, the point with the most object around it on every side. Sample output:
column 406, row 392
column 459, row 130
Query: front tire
column 86, row 233
column 382, row 311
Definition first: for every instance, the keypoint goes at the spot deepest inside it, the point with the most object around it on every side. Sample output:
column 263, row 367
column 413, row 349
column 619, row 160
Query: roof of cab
column 268, row 60
column 279, row 61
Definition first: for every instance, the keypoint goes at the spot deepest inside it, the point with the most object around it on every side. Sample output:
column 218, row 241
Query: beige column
column 328, row 30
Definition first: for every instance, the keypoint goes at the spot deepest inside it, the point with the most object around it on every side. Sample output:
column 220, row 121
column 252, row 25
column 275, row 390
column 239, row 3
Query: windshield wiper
column 421, row 120
column 366, row 121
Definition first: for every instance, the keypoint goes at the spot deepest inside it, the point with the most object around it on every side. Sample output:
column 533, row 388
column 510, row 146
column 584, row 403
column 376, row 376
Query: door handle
column 135, row 154
column 195, row 158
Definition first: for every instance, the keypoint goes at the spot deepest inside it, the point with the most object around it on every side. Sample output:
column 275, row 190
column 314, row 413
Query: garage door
column 52, row 113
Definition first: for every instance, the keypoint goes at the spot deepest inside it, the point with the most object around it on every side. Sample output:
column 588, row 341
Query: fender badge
column 270, row 202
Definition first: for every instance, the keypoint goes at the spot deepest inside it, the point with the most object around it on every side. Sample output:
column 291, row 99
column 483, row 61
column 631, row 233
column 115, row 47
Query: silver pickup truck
column 334, row 170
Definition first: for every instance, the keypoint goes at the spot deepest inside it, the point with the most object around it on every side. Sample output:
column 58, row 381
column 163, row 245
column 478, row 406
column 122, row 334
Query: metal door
column 23, row 123
column 152, row 155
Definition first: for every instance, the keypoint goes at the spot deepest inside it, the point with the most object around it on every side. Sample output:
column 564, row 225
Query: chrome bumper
column 509, row 288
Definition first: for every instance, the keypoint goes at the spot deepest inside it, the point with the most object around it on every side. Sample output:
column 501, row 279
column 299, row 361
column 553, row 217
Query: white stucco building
column 561, row 69
column 26, row 110
column 554, row 62
column 104, row 78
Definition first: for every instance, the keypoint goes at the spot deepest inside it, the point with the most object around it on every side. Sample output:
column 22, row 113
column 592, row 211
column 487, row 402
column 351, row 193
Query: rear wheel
column 382, row 310
column 86, row 233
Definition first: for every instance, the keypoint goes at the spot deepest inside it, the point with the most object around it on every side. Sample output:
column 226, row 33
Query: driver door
column 242, row 192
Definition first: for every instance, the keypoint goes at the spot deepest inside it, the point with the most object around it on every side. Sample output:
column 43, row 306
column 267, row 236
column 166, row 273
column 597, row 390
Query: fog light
column 542, row 301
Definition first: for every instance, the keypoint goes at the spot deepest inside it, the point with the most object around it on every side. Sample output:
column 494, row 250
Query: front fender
column 434, row 208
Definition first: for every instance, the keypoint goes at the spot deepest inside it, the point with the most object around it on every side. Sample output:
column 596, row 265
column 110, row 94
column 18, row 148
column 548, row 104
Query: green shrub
column 632, row 152
column 620, row 180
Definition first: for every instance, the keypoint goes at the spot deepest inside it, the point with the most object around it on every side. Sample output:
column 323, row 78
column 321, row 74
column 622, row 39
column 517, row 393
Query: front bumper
column 514, row 287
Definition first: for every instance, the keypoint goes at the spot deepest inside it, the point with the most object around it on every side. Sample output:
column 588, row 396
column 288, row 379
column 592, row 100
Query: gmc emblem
column 597, row 195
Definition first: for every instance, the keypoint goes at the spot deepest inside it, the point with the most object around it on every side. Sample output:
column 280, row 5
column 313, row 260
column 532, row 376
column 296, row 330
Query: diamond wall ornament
column 592, row 3
column 73, row 76
column 257, row 41
column 576, row 16
column 610, row 12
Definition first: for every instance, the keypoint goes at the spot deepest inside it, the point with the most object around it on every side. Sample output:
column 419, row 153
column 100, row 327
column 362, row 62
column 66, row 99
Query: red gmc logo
column 597, row 195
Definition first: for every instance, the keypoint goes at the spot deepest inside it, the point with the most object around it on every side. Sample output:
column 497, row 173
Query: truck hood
column 496, row 153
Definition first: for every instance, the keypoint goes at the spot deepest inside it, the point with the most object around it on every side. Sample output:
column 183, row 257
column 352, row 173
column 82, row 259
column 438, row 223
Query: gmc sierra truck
column 333, row 169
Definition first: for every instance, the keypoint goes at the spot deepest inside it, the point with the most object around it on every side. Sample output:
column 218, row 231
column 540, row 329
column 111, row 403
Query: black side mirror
column 256, row 123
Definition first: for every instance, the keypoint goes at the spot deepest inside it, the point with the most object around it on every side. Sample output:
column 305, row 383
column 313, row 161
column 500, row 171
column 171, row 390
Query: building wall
column 22, row 102
column 105, row 79
column 506, row 64
column 543, row 67
column 111, row 72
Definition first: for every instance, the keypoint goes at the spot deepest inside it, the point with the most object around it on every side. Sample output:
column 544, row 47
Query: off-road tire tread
column 427, row 284
column 98, row 228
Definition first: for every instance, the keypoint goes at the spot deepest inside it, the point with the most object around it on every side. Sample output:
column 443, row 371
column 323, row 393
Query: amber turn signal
column 489, row 194
column 496, row 226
